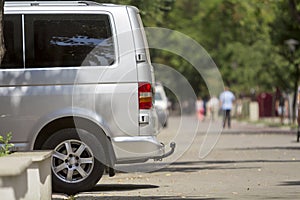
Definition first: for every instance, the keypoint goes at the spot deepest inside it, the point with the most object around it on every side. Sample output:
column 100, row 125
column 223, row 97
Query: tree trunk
column 296, row 16
column 2, row 45
column 294, row 11
column 297, row 76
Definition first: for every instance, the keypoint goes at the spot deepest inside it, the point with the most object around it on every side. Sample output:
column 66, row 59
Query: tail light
column 145, row 95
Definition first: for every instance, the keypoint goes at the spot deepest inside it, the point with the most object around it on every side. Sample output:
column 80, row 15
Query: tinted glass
column 13, row 57
column 68, row 40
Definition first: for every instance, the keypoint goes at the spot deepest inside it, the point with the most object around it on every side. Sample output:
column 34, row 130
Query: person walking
column 200, row 109
column 226, row 100
column 213, row 107
column 281, row 108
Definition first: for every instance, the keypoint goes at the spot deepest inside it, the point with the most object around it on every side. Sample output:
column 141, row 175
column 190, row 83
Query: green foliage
column 246, row 39
column 4, row 141
column 236, row 35
column 152, row 11
column 286, row 27
column 72, row 197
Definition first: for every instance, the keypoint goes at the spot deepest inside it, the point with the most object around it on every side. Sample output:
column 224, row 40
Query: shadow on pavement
column 92, row 194
column 121, row 187
column 97, row 193
column 187, row 166
column 230, row 162
column 153, row 198
column 145, row 198
column 194, row 166
column 195, row 169
column 264, row 148
column 290, row 183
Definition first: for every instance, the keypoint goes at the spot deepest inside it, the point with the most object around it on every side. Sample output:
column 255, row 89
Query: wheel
column 75, row 167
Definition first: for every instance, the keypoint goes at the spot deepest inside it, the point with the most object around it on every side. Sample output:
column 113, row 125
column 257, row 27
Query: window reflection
column 69, row 40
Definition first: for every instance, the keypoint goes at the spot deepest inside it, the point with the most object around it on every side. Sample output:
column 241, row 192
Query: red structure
column 265, row 103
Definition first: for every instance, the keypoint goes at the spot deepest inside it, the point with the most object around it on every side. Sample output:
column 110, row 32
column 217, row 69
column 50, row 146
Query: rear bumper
column 139, row 149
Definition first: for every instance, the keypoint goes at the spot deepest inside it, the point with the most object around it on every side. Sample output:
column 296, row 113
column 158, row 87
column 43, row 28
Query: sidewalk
column 260, row 127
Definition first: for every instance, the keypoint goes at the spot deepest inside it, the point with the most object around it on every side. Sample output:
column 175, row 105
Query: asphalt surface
column 248, row 162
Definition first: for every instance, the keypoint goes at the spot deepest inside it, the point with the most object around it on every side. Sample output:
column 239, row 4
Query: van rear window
column 68, row 40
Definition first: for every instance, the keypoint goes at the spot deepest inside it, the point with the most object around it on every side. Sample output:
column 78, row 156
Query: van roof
column 50, row 3
column 28, row 6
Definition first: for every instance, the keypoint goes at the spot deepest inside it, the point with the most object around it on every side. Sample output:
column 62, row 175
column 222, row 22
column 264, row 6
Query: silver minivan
column 76, row 78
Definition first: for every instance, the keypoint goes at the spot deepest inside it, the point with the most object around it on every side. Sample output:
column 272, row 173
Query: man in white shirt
column 226, row 99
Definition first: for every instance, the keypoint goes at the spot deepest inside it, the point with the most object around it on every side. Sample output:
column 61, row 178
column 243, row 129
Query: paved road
column 246, row 163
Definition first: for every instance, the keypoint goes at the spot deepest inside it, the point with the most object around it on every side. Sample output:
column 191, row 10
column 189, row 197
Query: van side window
column 13, row 57
column 68, row 40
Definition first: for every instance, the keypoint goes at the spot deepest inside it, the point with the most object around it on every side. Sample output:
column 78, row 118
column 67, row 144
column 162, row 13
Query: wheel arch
column 77, row 122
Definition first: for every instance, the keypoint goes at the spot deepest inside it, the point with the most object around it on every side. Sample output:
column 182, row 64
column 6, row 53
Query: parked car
column 161, row 105
column 76, row 78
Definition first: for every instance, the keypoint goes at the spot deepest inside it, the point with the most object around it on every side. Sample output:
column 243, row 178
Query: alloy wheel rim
column 72, row 161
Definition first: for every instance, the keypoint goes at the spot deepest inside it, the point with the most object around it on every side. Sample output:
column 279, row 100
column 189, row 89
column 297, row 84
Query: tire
column 74, row 164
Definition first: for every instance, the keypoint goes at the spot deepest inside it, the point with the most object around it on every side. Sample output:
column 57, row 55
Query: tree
column 237, row 36
column 286, row 26
column 152, row 11
column 235, row 33
column 244, row 38
column 2, row 45
column 293, row 4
